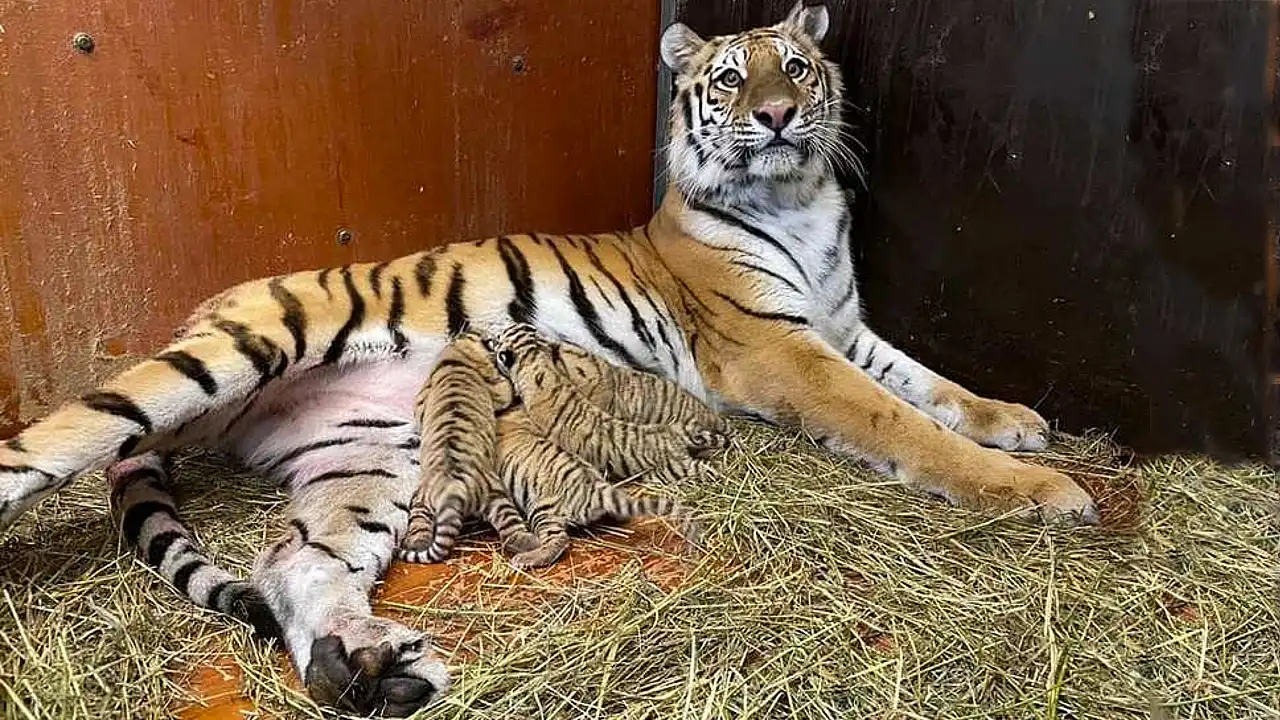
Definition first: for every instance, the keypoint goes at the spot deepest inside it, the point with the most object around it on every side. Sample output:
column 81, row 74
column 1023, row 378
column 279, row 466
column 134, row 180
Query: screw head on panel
column 83, row 42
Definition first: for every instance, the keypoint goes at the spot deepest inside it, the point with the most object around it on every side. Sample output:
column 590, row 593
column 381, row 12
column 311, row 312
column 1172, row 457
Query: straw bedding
column 822, row 591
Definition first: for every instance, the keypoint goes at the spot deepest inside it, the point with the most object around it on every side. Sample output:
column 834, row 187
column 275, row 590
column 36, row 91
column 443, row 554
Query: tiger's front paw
column 373, row 666
column 1008, row 426
column 992, row 481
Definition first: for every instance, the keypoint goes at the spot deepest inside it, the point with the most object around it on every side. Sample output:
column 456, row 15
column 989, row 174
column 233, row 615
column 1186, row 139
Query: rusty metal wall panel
column 1069, row 201
column 205, row 143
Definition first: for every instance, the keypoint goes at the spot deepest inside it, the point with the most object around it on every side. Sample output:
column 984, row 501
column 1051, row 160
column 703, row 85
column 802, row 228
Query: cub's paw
column 373, row 666
column 545, row 555
column 520, row 541
column 703, row 442
column 1008, row 426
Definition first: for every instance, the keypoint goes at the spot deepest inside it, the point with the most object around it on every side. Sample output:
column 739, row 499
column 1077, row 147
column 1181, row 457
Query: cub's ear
column 811, row 20
column 679, row 45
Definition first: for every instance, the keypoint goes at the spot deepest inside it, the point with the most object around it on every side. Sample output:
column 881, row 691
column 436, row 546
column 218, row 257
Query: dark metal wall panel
column 205, row 143
column 1069, row 201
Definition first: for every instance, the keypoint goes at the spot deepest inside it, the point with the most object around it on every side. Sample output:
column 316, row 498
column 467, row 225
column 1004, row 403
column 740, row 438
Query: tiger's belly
column 328, row 421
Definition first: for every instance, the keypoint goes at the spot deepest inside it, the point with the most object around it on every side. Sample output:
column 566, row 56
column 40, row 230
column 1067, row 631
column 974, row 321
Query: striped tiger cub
column 555, row 409
column 608, row 426
column 456, row 410
column 742, row 288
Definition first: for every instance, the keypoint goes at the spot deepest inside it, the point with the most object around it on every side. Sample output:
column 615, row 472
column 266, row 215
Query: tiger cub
column 636, row 396
column 557, row 410
column 556, row 488
column 456, row 410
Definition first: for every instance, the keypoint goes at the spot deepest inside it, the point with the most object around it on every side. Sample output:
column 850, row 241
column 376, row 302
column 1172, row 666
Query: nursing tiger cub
column 474, row 425
column 741, row 288
column 457, row 410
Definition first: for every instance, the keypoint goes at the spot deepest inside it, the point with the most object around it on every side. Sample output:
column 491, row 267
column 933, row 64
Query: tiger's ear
column 679, row 45
column 812, row 20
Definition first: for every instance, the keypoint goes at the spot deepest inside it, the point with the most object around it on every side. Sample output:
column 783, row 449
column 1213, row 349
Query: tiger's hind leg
column 343, row 533
column 149, row 521
column 138, row 410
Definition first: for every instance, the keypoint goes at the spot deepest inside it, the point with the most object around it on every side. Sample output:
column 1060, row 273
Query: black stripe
column 192, row 367
column 424, row 271
column 358, row 509
column 372, row 423
column 752, row 266
column 294, row 319
column 374, row 527
column 603, row 295
column 301, row 527
column 523, row 306
column 375, row 278
column 113, row 403
column 401, row 507
column 339, row 344
column 136, row 515
column 344, row 474
column 454, row 303
column 160, row 544
column 871, row 357
column 395, row 316
column 686, row 107
column 885, row 371
column 301, row 450
column 323, row 279
column 127, row 447
column 588, row 313
column 15, row 444
column 182, row 578
column 412, row 443
column 215, row 595
column 261, row 352
column 127, row 480
column 733, row 220
column 637, row 322
column 333, row 554
column 762, row 314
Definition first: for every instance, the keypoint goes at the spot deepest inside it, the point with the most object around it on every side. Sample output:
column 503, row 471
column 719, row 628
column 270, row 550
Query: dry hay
column 824, row 592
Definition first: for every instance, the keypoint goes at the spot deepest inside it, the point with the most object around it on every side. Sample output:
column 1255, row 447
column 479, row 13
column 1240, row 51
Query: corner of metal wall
column 665, row 17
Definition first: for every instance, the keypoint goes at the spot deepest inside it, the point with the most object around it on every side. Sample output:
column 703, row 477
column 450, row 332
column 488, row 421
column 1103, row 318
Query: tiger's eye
column 796, row 68
column 729, row 79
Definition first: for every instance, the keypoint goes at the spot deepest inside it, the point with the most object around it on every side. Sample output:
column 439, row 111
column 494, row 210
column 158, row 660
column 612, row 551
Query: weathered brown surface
column 1069, row 201
column 201, row 144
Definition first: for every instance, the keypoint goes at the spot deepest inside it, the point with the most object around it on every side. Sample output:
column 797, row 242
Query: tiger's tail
column 149, row 520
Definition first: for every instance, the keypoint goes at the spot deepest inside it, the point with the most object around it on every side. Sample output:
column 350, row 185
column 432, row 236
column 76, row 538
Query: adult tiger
column 741, row 288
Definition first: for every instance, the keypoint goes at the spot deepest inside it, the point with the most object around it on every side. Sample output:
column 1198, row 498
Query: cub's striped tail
column 149, row 520
column 439, row 533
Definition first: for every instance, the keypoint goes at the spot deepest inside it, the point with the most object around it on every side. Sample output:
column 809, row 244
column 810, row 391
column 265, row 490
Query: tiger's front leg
column 797, row 377
column 1008, row 426
column 342, row 535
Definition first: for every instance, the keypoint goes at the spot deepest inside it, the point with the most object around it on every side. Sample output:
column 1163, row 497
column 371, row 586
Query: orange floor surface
column 457, row 581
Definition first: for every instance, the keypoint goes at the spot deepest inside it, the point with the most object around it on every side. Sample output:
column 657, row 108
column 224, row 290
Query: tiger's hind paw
column 373, row 666
column 22, row 487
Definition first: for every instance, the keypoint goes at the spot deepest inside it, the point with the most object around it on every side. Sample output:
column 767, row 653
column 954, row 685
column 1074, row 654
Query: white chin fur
column 775, row 162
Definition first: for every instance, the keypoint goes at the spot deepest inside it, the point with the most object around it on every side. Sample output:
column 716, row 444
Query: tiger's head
column 759, row 107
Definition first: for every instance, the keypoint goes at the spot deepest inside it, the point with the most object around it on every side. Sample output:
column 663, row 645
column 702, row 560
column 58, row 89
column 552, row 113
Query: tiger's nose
column 775, row 114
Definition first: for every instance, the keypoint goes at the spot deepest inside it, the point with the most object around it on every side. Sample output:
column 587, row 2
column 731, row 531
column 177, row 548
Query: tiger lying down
column 741, row 289
column 538, row 442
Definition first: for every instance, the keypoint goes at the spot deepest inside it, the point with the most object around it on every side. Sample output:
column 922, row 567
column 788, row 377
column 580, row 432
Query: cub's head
column 523, row 355
column 762, row 106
